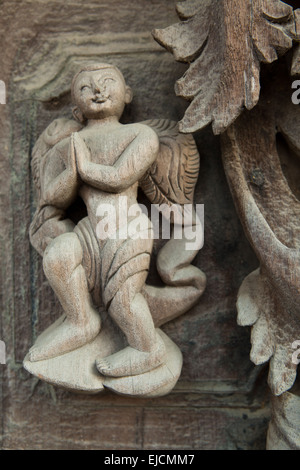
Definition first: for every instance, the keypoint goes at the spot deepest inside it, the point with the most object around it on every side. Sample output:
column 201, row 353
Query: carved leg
column 146, row 350
column 66, row 275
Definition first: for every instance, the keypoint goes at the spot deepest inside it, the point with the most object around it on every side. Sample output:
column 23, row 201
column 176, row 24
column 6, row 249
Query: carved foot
column 76, row 370
column 64, row 338
column 130, row 361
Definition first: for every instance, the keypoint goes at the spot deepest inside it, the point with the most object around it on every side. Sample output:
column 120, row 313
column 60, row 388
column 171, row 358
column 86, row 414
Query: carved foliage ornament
column 224, row 42
column 268, row 299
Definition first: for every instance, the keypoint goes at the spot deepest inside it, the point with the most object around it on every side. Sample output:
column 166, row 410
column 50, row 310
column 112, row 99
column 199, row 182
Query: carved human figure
column 97, row 273
column 110, row 159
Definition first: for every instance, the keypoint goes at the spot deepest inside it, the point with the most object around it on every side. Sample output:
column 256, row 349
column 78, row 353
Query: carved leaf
column 224, row 42
column 271, row 338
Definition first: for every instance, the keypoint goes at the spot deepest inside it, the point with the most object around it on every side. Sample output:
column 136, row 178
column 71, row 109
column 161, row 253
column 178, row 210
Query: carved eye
column 84, row 88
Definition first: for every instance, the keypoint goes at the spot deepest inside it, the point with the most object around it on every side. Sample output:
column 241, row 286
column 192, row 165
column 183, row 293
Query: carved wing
column 173, row 176
column 172, row 180
column 48, row 221
column 54, row 133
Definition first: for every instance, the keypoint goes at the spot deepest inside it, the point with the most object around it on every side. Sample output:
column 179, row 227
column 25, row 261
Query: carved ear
column 128, row 95
column 78, row 115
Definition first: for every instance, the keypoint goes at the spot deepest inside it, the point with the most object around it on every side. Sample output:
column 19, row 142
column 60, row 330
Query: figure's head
column 99, row 91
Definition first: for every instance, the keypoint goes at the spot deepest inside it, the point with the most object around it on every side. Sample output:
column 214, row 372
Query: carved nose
column 99, row 92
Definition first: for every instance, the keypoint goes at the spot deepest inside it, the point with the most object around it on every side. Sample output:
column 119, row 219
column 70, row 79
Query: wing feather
column 58, row 130
column 173, row 176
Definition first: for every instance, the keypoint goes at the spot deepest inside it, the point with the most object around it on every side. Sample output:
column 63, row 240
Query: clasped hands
column 79, row 155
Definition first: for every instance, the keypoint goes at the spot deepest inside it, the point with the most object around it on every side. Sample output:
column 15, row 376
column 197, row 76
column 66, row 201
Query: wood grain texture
column 220, row 389
column 224, row 44
column 283, row 432
column 260, row 150
column 269, row 211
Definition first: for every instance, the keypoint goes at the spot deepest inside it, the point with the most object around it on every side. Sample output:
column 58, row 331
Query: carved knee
column 62, row 256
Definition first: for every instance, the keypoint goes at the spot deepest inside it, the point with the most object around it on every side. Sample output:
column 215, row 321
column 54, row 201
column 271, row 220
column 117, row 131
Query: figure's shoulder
column 139, row 127
column 143, row 130
column 60, row 129
column 57, row 131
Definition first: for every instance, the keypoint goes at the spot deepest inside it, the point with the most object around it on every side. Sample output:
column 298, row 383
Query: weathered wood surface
column 105, row 162
column 283, row 432
column 269, row 211
column 224, row 44
column 260, row 150
column 220, row 401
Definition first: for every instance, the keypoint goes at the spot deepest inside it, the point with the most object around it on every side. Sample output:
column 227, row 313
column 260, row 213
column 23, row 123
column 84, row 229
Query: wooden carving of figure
column 104, row 162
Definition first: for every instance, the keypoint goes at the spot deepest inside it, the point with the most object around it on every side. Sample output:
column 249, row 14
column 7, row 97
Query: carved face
column 101, row 93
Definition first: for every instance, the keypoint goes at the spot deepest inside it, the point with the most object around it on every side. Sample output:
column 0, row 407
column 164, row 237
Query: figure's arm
column 129, row 168
column 61, row 191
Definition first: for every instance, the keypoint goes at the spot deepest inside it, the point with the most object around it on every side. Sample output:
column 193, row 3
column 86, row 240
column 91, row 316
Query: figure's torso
column 106, row 145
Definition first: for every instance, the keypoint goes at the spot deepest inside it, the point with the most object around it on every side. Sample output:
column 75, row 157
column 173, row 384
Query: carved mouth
column 99, row 100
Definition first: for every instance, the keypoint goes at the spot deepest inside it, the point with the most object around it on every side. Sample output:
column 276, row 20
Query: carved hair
column 90, row 68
